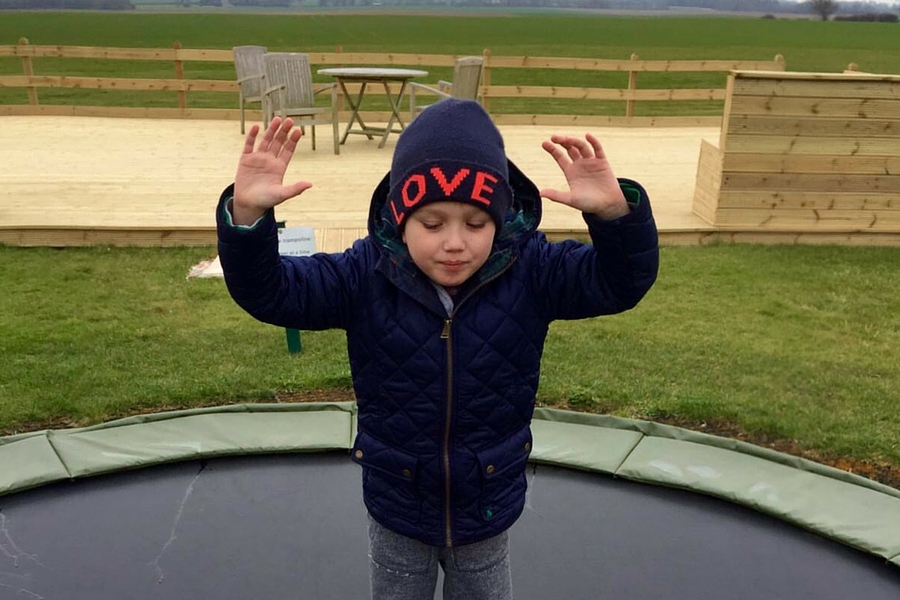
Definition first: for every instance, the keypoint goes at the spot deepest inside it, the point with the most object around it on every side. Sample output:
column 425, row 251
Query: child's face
column 449, row 241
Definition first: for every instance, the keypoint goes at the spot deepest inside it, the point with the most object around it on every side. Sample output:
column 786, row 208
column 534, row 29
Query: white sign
column 296, row 241
column 292, row 241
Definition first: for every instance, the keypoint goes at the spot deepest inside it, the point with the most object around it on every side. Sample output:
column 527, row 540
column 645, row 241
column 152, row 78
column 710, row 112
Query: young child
column 446, row 305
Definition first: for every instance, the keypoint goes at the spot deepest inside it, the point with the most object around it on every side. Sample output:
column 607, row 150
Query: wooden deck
column 70, row 181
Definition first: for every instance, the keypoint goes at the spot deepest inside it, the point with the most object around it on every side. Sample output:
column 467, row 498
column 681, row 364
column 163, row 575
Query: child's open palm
column 593, row 187
column 259, row 182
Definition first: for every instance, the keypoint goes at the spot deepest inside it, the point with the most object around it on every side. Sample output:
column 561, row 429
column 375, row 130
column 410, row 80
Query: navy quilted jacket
column 445, row 400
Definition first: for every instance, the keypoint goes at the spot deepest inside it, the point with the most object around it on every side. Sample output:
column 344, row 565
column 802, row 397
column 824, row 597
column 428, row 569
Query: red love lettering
column 480, row 186
column 398, row 217
column 448, row 187
column 419, row 180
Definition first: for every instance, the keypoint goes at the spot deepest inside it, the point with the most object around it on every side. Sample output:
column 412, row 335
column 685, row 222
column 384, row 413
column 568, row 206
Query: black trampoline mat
column 294, row 527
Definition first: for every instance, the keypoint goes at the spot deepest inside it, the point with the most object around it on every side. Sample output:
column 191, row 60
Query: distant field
column 806, row 45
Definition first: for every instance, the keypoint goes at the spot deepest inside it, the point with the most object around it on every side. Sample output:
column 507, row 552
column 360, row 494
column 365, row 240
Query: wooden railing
column 528, row 91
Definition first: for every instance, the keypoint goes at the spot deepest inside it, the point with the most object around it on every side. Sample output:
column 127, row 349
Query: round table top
column 372, row 72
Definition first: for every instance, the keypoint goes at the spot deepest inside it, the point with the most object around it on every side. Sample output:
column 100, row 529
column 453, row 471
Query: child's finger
column 281, row 136
column 595, row 144
column 287, row 150
column 295, row 189
column 575, row 147
column 269, row 136
column 556, row 152
column 250, row 140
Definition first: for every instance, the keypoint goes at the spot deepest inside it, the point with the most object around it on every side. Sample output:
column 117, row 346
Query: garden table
column 386, row 77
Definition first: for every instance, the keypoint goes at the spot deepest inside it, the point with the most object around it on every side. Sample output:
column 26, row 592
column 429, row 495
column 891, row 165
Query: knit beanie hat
column 451, row 151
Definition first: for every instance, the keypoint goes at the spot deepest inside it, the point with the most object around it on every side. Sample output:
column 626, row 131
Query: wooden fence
column 529, row 90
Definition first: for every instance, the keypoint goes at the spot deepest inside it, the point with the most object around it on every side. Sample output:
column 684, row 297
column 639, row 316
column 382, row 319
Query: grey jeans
column 401, row 568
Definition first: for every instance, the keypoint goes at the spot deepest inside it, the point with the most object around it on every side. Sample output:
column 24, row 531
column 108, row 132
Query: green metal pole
column 293, row 340
column 293, row 335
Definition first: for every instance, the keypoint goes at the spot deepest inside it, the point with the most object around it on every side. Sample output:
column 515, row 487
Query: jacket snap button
column 359, row 454
column 406, row 473
column 527, row 446
column 490, row 469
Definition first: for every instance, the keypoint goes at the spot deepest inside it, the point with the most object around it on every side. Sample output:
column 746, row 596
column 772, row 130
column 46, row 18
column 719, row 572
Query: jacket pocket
column 503, row 475
column 389, row 477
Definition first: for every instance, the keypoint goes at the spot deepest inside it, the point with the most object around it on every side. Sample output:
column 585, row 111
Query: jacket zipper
column 445, row 335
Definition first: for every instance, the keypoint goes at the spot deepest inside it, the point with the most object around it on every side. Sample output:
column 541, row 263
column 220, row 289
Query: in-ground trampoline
column 263, row 502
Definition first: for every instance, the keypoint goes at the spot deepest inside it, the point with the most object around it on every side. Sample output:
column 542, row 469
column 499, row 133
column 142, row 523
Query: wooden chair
column 465, row 84
column 289, row 92
column 248, row 65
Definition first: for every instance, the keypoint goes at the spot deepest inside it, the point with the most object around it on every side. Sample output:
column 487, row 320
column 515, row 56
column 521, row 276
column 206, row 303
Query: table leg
column 355, row 115
column 395, row 110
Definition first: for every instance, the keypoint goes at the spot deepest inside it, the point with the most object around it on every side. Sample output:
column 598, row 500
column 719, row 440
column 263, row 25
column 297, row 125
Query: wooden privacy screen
column 804, row 152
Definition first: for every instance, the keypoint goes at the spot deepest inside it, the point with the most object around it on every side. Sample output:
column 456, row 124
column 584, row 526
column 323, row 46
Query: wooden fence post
column 485, row 78
column 632, row 85
column 28, row 69
column 179, row 74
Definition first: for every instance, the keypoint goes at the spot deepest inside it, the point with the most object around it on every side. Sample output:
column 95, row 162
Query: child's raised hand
column 259, row 182
column 593, row 187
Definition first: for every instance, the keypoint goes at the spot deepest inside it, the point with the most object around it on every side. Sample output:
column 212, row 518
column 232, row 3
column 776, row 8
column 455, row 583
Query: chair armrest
column 250, row 78
column 324, row 87
column 413, row 87
column 444, row 86
column 274, row 88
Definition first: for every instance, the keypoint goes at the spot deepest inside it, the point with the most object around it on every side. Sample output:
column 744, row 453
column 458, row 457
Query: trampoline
column 262, row 501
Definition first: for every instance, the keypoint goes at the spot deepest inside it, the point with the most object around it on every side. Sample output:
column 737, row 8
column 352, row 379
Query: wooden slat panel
column 708, row 182
column 832, row 182
column 580, row 93
column 819, row 107
column 799, row 219
column 889, row 90
column 108, row 83
column 808, row 200
column 788, row 144
column 800, row 163
column 812, row 126
column 337, row 239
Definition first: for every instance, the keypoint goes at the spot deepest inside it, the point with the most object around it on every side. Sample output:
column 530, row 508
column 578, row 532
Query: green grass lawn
column 796, row 343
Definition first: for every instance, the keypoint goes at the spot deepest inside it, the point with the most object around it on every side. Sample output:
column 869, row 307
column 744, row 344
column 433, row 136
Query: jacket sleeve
column 575, row 280
column 309, row 292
